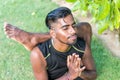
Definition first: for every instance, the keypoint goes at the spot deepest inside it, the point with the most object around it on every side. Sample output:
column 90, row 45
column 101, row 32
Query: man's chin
column 72, row 43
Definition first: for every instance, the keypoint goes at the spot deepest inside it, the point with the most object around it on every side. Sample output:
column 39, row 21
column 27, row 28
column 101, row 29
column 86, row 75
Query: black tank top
column 56, row 61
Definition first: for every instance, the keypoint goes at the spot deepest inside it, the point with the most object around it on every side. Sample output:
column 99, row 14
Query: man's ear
column 52, row 33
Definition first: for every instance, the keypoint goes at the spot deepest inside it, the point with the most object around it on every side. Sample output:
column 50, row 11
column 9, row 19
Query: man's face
column 63, row 30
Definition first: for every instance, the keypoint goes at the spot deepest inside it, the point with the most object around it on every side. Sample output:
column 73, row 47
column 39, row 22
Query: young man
column 65, row 54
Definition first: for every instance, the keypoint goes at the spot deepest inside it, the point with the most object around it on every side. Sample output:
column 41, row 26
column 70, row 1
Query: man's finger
column 78, row 60
column 72, row 58
column 76, row 56
column 68, row 60
column 82, row 69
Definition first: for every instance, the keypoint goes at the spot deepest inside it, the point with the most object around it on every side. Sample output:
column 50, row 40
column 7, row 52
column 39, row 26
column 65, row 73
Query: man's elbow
column 90, row 75
column 94, row 75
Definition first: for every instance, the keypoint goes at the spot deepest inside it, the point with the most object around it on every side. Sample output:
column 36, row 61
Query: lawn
column 29, row 15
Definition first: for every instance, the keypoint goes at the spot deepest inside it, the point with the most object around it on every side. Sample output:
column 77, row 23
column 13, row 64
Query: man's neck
column 60, row 47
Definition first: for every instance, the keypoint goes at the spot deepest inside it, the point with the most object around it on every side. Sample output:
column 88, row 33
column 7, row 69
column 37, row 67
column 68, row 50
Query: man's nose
column 72, row 30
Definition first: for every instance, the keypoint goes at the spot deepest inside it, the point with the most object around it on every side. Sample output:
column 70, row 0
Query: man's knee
column 84, row 31
column 84, row 28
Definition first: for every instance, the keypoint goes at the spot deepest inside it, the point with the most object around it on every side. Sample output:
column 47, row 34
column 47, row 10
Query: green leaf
column 76, row 6
column 111, row 25
column 117, row 24
column 105, row 27
column 72, row 1
column 106, row 13
column 117, row 17
column 102, row 26
column 93, row 9
column 117, row 2
column 83, row 5
column 103, row 10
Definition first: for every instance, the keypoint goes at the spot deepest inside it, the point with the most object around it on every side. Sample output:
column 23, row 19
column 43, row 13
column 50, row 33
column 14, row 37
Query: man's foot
column 17, row 35
column 27, row 39
column 12, row 32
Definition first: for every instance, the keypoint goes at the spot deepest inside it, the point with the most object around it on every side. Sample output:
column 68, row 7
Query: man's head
column 55, row 14
column 61, row 24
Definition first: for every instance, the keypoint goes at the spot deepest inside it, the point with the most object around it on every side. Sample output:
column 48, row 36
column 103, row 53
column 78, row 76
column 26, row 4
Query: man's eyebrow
column 67, row 25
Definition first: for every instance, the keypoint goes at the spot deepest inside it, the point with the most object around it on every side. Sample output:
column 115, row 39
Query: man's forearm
column 66, row 76
column 89, row 75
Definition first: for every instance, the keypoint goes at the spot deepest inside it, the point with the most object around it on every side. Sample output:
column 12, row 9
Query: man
column 65, row 54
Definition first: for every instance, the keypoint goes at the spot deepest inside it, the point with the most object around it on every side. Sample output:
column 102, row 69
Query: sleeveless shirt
column 57, row 61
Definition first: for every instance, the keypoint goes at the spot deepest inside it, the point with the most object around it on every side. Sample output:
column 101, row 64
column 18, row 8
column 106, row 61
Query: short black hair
column 55, row 14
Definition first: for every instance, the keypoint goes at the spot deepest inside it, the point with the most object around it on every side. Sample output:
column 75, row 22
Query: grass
column 107, row 65
column 29, row 15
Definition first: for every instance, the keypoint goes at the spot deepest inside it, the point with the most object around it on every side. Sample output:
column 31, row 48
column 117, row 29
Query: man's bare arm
column 84, row 30
column 27, row 39
column 90, row 72
column 38, row 63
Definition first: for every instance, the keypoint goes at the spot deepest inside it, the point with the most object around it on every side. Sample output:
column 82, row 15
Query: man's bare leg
column 27, row 39
column 30, row 40
column 84, row 31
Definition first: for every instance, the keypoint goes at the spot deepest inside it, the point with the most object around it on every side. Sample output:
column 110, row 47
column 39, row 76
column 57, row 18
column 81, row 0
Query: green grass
column 107, row 65
column 29, row 15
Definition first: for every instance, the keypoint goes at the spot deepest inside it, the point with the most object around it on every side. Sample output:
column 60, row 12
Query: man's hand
column 73, row 64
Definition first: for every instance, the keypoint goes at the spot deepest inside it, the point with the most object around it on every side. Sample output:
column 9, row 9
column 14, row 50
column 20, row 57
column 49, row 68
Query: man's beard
column 72, row 43
column 68, row 43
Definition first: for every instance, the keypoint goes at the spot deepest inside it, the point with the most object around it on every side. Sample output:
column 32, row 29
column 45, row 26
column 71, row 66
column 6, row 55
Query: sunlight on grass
column 29, row 15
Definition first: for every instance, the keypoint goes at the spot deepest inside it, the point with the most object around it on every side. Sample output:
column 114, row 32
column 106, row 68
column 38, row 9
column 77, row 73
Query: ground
column 108, row 38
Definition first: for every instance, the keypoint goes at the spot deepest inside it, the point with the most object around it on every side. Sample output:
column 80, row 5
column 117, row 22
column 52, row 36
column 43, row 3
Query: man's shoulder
column 37, row 56
column 35, row 50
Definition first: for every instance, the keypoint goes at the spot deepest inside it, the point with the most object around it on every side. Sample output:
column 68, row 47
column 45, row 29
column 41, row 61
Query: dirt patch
column 109, row 39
